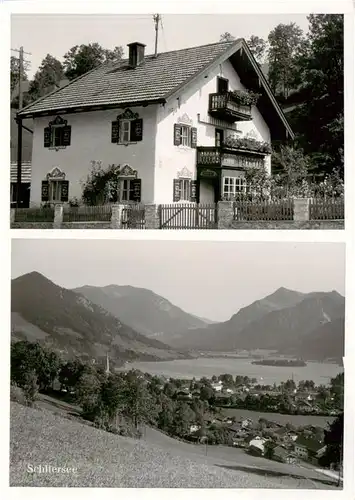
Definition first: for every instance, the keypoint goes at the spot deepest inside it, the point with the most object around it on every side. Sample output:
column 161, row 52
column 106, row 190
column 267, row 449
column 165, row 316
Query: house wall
column 170, row 159
column 91, row 140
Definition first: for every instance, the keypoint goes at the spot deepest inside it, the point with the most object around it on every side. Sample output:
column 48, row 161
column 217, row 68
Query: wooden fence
column 188, row 216
column 43, row 214
column 263, row 210
column 326, row 208
column 133, row 216
column 87, row 214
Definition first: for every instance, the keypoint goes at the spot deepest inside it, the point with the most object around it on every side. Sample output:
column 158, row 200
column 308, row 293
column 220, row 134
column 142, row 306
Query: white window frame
column 55, row 191
column 185, row 189
column 233, row 186
column 122, row 189
column 125, row 128
column 185, row 135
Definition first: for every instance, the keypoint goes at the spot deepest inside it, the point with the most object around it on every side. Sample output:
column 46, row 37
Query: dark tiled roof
column 117, row 83
column 309, row 443
column 25, row 172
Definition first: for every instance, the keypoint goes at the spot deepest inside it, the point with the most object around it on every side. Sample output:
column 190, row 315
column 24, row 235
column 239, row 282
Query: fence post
column 116, row 216
column 12, row 216
column 152, row 217
column 225, row 214
column 58, row 216
column 301, row 209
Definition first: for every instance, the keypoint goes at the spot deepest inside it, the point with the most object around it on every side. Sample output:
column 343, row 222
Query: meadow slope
column 106, row 460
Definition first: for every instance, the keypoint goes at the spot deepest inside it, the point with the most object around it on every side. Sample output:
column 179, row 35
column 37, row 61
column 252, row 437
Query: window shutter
column 193, row 191
column 66, row 135
column 177, row 134
column 47, row 137
column 137, row 130
column 193, row 137
column 137, row 190
column 64, row 191
column 45, row 191
column 115, row 131
column 176, row 190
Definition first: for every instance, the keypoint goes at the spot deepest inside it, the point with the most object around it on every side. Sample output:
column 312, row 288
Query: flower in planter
column 245, row 98
column 248, row 144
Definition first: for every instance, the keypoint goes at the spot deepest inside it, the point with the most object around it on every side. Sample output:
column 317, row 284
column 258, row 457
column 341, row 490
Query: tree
column 27, row 357
column 15, row 73
column 101, row 185
column 226, row 37
column 269, row 448
column 227, row 379
column 290, row 385
column 83, row 58
column 285, row 41
column 319, row 120
column 166, row 414
column 206, row 393
column 183, row 418
column 257, row 47
column 30, row 386
column 46, row 79
column 333, row 439
column 70, row 373
column 88, row 391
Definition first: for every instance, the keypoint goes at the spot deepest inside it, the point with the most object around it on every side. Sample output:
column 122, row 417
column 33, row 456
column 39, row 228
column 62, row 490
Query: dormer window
column 58, row 134
column 127, row 129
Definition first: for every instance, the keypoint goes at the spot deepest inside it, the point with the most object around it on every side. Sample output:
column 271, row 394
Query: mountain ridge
column 72, row 324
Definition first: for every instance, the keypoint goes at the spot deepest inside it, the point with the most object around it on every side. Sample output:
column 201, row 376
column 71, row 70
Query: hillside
column 143, row 310
column 156, row 461
column 68, row 322
column 222, row 336
column 305, row 325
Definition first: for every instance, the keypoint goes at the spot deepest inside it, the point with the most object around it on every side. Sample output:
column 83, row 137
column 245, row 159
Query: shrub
column 17, row 395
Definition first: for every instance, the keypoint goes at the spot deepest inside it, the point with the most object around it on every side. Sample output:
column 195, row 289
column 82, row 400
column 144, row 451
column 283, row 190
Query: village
column 263, row 436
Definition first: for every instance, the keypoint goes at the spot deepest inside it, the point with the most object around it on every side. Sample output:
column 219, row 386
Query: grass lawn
column 40, row 437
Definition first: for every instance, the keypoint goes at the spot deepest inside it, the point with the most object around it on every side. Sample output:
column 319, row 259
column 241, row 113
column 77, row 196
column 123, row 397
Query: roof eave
column 87, row 108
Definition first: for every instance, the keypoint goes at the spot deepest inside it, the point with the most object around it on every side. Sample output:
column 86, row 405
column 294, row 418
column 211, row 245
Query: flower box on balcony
column 247, row 144
column 244, row 97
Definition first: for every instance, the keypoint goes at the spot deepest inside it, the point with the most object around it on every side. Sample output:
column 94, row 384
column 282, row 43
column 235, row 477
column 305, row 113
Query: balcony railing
column 226, row 107
column 208, row 156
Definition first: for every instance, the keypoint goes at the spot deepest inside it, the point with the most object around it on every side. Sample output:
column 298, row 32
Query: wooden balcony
column 208, row 156
column 226, row 107
column 211, row 156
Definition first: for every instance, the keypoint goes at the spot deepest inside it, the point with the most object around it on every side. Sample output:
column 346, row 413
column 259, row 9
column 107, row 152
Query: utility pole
column 156, row 18
column 19, row 124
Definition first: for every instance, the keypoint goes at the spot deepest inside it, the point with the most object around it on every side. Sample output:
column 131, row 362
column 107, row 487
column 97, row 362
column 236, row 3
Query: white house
column 257, row 444
column 179, row 125
column 217, row 386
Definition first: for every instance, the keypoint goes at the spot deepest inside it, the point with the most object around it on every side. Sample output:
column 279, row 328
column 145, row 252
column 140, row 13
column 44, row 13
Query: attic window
column 58, row 134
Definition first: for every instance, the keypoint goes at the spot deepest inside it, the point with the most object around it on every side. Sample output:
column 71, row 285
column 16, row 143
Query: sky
column 55, row 34
column 209, row 279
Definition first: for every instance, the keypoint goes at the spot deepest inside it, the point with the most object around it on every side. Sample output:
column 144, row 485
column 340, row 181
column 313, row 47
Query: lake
column 320, row 373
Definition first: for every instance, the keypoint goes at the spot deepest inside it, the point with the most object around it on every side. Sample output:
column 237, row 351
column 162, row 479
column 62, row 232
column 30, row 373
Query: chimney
column 135, row 54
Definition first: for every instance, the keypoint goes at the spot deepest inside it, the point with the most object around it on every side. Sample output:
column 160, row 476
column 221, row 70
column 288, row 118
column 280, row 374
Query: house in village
column 310, row 449
column 183, row 125
column 256, row 445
